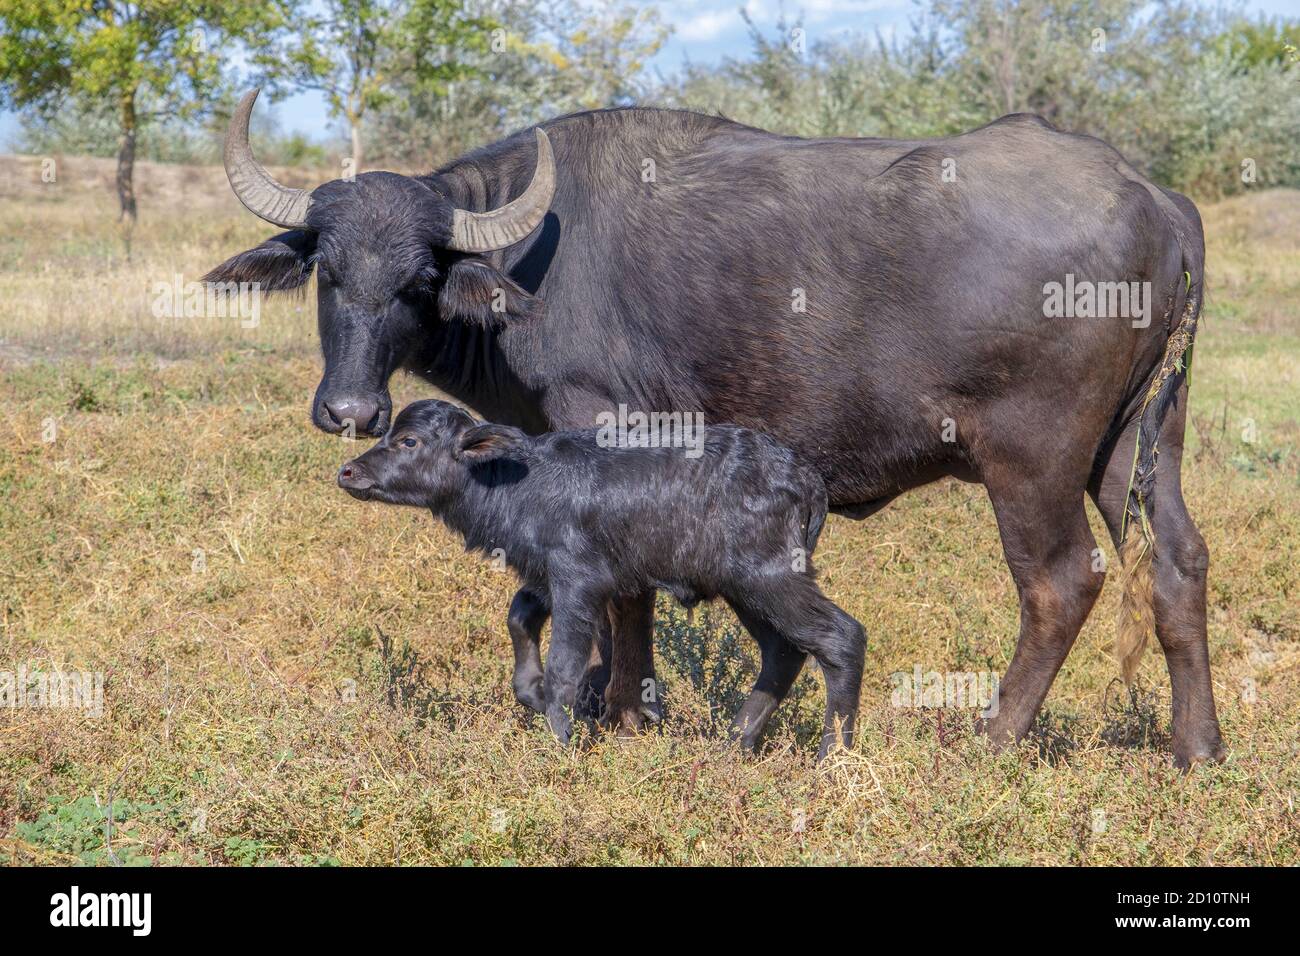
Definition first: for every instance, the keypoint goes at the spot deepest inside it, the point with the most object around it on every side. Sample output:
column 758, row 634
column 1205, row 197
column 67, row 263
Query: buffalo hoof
column 832, row 743
column 743, row 738
column 630, row 721
column 1186, row 757
column 999, row 733
column 562, row 725
column 531, row 695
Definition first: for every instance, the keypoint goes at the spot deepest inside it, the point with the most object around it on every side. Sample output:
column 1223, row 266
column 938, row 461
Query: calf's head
column 427, row 456
column 392, row 255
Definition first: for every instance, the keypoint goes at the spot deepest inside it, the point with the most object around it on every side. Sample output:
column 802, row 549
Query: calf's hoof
column 560, row 723
column 744, row 736
column 832, row 743
column 532, row 695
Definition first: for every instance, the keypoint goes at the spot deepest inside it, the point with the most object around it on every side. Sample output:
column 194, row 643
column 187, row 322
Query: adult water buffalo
column 891, row 310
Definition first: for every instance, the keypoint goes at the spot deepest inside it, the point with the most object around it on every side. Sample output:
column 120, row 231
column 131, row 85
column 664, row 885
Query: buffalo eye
column 409, row 443
column 418, row 290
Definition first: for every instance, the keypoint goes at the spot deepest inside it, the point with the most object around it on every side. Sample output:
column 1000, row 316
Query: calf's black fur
column 585, row 525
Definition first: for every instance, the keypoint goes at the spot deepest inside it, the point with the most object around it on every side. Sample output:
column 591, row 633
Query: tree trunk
column 126, row 161
column 354, row 124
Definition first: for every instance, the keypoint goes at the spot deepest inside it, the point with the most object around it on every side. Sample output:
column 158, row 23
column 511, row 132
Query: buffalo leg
column 795, row 608
column 528, row 614
column 782, row 662
column 591, row 693
column 1050, row 550
column 632, row 695
column 575, row 621
column 1180, row 559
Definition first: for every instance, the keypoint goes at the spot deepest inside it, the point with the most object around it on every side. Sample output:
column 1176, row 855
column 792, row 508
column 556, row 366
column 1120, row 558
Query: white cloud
column 708, row 25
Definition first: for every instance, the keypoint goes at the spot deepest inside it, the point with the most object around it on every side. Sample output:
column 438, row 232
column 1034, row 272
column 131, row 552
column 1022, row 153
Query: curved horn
column 506, row 225
column 255, row 187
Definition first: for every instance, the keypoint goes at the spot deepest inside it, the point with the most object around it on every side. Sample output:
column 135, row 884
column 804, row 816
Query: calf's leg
column 794, row 607
column 527, row 617
column 782, row 662
column 575, row 620
column 529, row 612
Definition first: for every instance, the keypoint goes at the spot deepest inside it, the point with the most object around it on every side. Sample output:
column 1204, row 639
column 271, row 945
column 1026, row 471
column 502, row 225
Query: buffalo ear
column 480, row 443
column 277, row 265
column 475, row 291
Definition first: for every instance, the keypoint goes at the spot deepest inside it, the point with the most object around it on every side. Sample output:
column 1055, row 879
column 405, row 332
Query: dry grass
column 331, row 682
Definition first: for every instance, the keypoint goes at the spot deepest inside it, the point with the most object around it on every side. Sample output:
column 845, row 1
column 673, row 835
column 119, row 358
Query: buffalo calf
column 585, row 526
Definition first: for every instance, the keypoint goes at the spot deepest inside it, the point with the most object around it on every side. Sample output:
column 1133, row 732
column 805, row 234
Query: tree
column 1260, row 42
column 1198, row 97
column 141, row 61
column 544, row 58
column 599, row 50
column 352, row 50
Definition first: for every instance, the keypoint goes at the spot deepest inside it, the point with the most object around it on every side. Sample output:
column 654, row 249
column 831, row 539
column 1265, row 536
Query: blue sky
column 704, row 31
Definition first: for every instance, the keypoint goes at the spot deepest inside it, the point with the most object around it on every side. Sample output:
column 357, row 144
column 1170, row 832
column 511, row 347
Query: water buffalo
column 739, row 521
column 896, row 312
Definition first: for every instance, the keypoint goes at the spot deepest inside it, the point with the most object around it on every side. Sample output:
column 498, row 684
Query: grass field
column 292, row 677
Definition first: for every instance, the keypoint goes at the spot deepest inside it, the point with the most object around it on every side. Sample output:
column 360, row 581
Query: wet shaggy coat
column 584, row 525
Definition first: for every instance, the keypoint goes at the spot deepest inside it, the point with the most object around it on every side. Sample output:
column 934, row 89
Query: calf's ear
column 481, row 443
column 277, row 265
column 476, row 291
